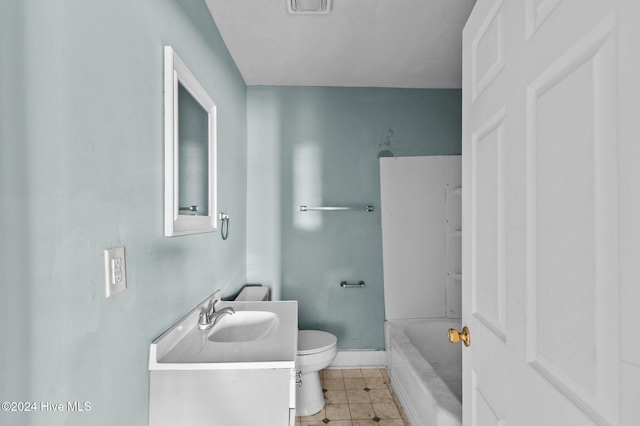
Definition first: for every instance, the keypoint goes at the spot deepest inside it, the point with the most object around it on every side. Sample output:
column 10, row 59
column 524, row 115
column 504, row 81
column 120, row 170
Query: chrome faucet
column 209, row 317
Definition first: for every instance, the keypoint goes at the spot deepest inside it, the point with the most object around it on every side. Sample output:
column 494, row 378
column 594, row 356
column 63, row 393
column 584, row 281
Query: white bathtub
column 425, row 370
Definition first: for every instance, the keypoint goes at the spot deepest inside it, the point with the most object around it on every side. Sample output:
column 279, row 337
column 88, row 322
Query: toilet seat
column 315, row 341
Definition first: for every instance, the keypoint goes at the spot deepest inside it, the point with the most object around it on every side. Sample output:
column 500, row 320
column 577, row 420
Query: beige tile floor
column 358, row 397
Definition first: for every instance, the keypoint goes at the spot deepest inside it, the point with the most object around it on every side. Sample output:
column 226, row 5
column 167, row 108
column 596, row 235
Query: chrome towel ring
column 224, row 230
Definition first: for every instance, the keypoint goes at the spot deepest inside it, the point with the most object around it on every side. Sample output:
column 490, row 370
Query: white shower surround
column 421, row 232
column 421, row 215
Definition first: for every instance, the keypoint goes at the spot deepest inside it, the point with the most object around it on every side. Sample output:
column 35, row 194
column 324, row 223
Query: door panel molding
column 484, row 413
column 488, row 43
column 536, row 14
column 578, row 255
column 488, row 293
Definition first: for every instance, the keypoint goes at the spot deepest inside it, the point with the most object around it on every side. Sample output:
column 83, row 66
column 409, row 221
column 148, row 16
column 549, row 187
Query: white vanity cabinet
column 223, row 397
column 197, row 381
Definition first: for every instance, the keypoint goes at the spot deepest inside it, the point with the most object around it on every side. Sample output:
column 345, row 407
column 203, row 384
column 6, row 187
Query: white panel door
column 551, row 209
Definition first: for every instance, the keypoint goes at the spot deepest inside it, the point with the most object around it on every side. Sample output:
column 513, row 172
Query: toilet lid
column 313, row 341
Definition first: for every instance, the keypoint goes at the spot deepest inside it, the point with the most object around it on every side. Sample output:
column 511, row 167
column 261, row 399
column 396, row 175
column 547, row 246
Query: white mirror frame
column 175, row 224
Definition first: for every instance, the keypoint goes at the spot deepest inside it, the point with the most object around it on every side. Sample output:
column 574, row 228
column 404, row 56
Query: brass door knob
column 455, row 336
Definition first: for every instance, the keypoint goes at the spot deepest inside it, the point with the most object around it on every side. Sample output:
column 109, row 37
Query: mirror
column 189, row 150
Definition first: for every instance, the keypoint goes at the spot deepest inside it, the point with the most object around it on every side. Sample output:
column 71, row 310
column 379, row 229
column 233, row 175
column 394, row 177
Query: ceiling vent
column 309, row 7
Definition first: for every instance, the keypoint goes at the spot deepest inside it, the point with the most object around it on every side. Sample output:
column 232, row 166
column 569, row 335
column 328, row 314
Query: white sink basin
column 244, row 326
column 259, row 335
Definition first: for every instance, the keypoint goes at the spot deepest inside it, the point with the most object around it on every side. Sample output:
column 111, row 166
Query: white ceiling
column 361, row 43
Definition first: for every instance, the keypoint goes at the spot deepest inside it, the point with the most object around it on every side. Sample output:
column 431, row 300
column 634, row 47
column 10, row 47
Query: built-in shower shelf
column 457, row 277
column 457, row 191
column 457, row 233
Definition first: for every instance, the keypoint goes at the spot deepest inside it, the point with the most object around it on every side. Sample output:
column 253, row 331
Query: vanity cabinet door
column 221, row 397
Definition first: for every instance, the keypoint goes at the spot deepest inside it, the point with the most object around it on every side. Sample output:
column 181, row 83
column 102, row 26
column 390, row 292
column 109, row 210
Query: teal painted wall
column 320, row 146
column 81, row 170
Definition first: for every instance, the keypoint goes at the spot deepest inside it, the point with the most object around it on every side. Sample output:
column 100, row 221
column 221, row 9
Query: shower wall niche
column 421, row 210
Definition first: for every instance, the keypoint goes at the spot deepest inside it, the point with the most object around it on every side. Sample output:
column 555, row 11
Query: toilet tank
column 253, row 293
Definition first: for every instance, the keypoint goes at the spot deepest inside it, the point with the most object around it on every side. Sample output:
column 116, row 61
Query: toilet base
column 309, row 396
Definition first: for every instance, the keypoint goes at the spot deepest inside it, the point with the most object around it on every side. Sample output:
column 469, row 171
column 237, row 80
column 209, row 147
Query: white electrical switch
column 115, row 271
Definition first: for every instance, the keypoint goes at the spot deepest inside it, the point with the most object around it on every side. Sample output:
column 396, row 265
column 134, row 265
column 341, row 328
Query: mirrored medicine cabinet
column 189, row 151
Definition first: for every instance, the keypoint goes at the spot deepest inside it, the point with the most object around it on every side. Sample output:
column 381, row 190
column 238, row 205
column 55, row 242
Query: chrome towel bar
column 336, row 209
column 345, row 284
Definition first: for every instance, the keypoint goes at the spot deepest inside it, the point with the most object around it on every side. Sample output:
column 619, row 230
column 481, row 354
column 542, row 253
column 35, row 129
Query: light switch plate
column 115, row 271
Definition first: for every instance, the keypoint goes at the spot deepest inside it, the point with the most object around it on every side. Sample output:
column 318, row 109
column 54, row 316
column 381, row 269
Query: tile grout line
column 377, row 413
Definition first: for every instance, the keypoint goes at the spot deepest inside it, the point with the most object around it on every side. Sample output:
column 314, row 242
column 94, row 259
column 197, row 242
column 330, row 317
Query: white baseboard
column 360, row 359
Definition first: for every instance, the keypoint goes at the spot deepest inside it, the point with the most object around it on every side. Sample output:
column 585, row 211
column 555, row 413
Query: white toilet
column 316, row 350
